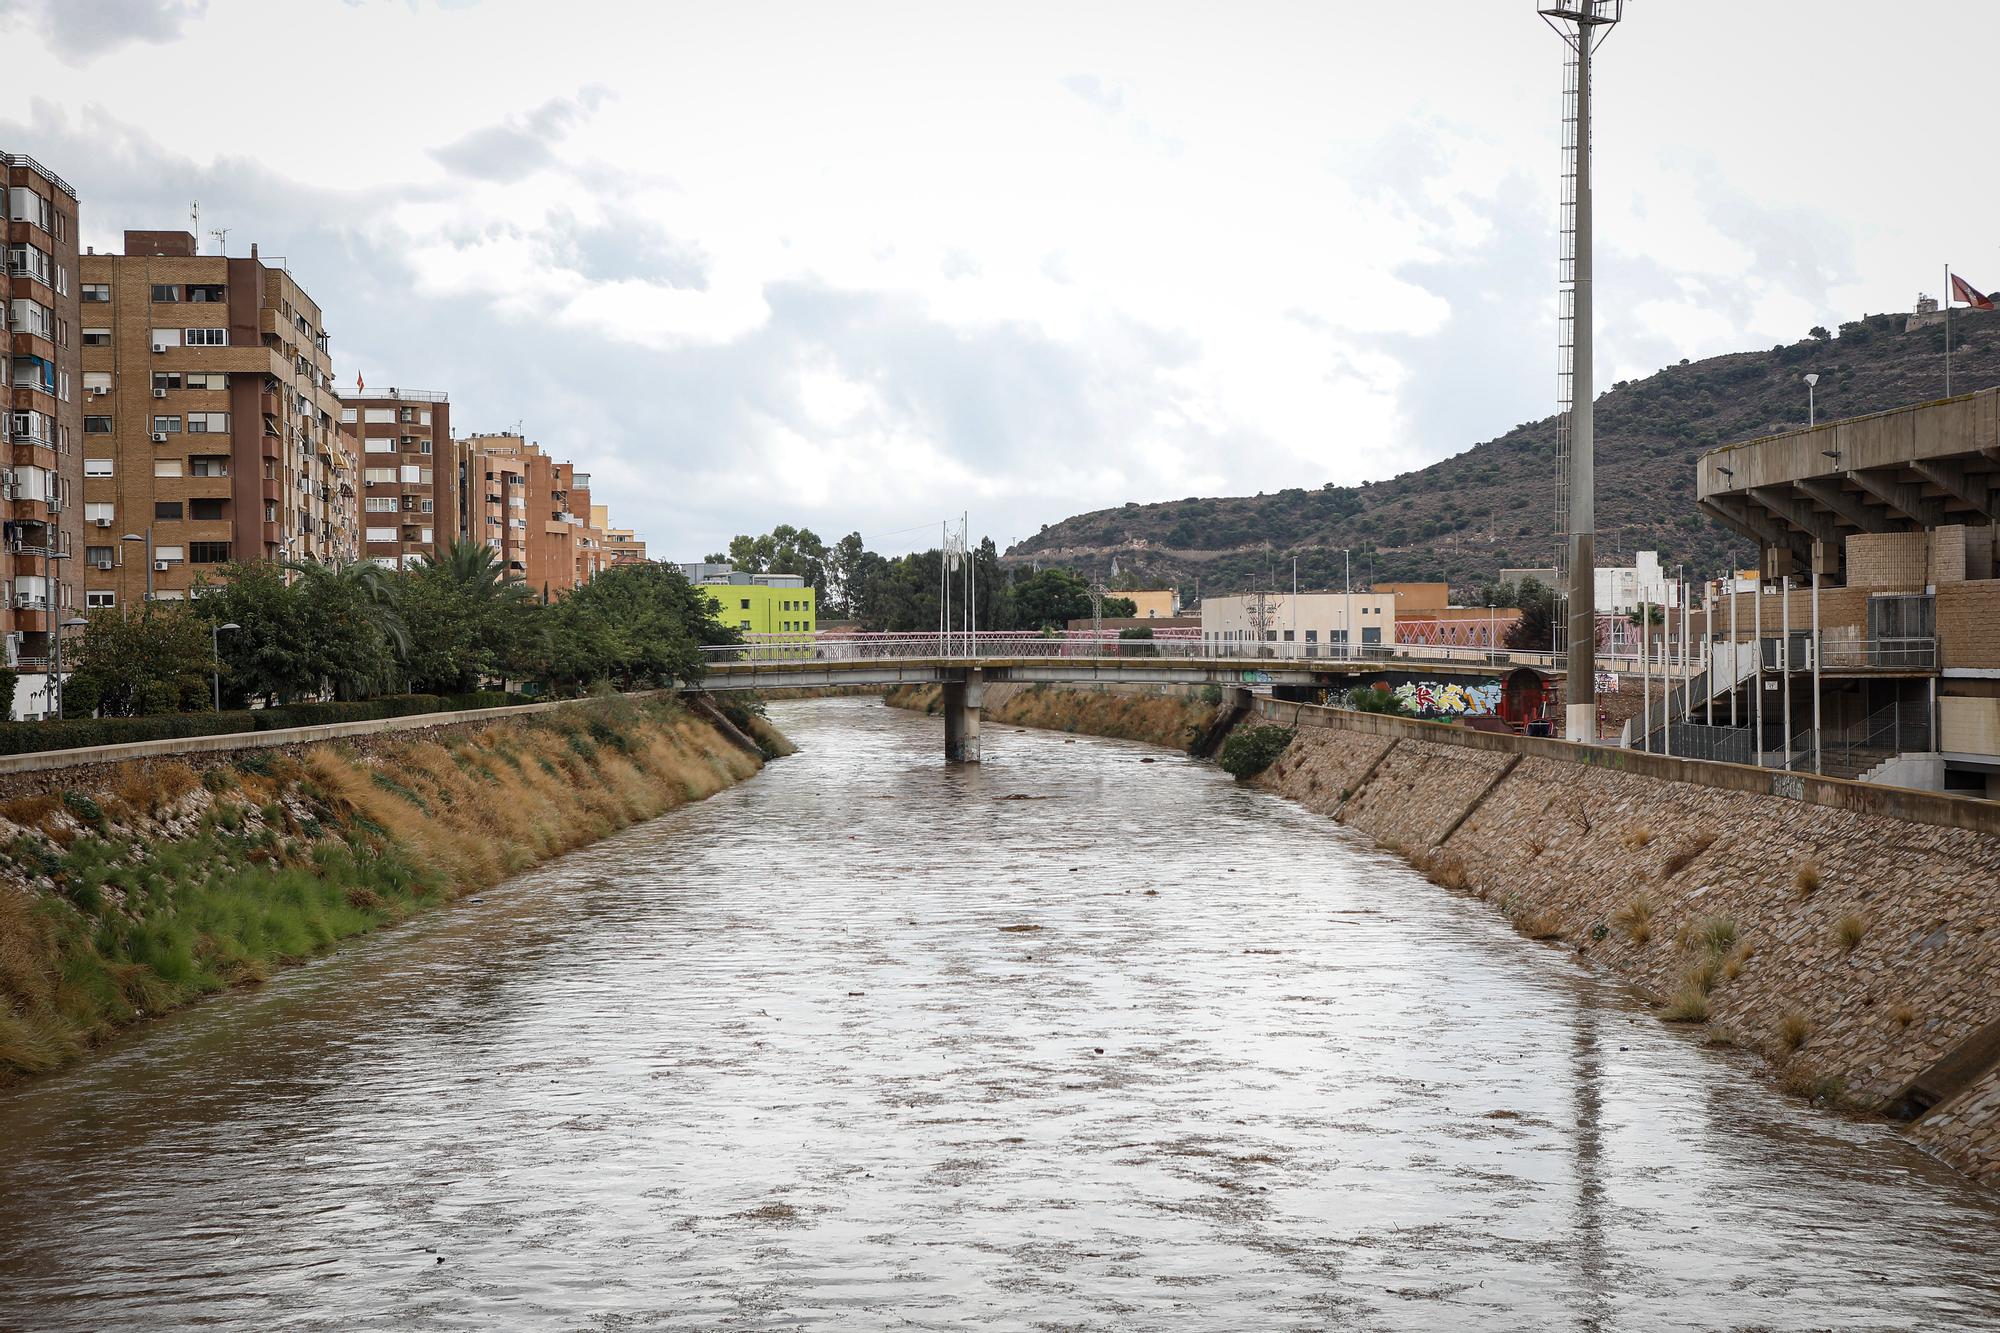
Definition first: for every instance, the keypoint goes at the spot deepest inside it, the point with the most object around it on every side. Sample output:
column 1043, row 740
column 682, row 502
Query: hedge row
column 75, row 733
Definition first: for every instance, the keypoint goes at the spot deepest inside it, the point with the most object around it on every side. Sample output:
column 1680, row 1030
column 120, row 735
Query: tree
column 134, row 662
column 1050, row 599
column 1119, row 608
column 1375, row 699
column 1535, row 630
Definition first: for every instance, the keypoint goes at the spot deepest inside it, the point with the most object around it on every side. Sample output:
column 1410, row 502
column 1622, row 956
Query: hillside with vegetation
column 1464, row 518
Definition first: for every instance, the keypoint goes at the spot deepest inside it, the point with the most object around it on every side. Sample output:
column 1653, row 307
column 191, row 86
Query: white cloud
column 861, row 266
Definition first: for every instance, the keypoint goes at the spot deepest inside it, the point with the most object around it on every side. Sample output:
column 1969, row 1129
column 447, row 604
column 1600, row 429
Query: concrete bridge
column 966, row 663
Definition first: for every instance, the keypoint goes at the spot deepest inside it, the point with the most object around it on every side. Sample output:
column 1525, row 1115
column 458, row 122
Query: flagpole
column 1947, row 330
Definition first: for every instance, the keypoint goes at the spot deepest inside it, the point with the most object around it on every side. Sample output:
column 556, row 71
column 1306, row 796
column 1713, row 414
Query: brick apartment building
column 527, row 507
column 409, row 473
column 212, row 432
column 40, row 364
column 624, row 547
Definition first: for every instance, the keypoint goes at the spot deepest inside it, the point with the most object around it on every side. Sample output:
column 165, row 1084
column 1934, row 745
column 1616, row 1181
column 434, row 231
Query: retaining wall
column 1850, row 933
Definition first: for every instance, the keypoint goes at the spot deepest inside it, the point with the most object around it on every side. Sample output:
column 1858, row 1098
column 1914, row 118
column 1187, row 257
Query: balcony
column 1917, row 653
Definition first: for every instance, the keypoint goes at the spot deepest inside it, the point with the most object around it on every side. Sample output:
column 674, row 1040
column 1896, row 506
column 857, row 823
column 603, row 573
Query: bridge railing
column 834, row 649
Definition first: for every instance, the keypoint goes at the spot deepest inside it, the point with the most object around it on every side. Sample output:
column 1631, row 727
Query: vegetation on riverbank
column 144, row 886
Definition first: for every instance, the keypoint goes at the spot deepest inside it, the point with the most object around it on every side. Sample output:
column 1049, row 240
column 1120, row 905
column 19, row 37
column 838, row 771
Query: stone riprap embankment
column 1857, row 951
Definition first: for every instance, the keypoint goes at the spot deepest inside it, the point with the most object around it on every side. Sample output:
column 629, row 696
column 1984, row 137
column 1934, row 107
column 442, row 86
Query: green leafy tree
column 135, row 662
column 1120, row 608
column 1049, row 599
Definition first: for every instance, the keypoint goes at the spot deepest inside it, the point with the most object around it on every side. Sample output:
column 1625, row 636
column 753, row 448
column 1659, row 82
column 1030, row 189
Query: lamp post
column 215, row 643
column 1492, row 641
column 55, row 664
column 150, row 559
column 1812, row 408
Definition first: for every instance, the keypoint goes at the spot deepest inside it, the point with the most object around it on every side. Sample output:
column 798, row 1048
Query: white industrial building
column 1313, row 624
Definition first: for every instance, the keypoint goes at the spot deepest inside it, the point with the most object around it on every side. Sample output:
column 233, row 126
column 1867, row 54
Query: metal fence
column 1185, row 646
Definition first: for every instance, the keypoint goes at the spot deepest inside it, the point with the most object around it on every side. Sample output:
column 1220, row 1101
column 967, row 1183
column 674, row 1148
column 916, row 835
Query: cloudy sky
column 861, row 265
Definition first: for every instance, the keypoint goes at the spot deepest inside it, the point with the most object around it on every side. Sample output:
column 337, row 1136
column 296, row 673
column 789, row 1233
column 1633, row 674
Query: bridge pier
column 962, row 702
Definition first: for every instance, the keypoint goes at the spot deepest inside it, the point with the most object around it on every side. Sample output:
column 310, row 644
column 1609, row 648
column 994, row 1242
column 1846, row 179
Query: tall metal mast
column 1583, row 25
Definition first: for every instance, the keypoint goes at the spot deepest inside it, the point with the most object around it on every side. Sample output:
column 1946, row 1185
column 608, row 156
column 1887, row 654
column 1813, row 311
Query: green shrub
column 76, row 733
column 1251, row 750
column 1375, row 699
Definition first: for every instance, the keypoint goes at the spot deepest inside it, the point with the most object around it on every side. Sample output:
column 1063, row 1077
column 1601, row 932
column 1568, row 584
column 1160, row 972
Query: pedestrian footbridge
column 966, row 663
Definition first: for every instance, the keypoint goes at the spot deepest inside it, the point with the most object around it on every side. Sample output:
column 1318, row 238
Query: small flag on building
column 1961, row 290
column 359, row 383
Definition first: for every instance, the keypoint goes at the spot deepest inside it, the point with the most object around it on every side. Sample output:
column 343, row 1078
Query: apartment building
column 624, row 548
column 41, row 367
column 409, row 473
column 213, row 432
column 756, row 603
column 530, row 509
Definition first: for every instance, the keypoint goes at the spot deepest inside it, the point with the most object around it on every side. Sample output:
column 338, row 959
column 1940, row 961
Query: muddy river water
column 1066, row 1041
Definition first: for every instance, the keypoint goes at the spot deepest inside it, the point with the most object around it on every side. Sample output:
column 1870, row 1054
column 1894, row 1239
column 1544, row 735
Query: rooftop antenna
column 194, row 217
column 1583, row 25
column 221, row 235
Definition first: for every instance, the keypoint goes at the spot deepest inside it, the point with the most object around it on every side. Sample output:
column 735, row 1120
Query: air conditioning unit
column 159, row 347
column 159, row 437
column 160, row 566
column 102, row 522
column 99, row 390
column 159, row 393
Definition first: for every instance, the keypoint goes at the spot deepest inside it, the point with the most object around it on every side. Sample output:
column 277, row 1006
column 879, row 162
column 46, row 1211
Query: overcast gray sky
column 860, row 265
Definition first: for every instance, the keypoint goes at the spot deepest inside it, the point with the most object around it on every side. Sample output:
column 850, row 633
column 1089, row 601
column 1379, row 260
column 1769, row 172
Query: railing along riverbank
column 1174, row 645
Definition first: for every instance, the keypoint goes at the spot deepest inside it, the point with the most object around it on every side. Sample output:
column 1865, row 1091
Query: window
column 208, row 337
column 381, row 444
column 166, row 379
column 27, row 206
column 166, row 292
column 205, row 511
column 377, row 475
column 97, row 425
column 376, row 416
column 98, row 557
column 170, row 510
column 381, row 504
column 97, row 337
column 34, row 428
column 97, row 381
column 168, row 553
column 29, row 261
column 166, row 337
column 208, row 423
column 207, row 293
column 348, row 416
column 208, row 465
column 33, row 317
column 96, row 291
column 743, row 624
column 166, row 425
column 381, row 534
column 746, row 606
column 96, row 467
column 32, row 372
column 166, row 467
column 97, row 599
column 93, row 512
column 206, row 379
column 409, row 473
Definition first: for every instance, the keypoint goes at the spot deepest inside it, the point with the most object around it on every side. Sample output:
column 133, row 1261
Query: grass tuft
column 1793, row 1029
column 1849, row 931
column 1635, row 918
column 1808, row 879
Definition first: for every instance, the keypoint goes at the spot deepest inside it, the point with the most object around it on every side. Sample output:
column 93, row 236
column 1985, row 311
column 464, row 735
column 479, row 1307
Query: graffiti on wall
column 1428, row 698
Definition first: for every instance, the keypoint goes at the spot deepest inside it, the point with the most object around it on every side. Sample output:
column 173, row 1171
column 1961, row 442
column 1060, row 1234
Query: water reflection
column 1065, row 1040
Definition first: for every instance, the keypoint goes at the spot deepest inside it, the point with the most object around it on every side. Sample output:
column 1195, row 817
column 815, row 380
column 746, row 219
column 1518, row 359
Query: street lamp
column 215, row 642
column 55, row 663
column 150, row 560
column 1492, row 639
column 1812, row 409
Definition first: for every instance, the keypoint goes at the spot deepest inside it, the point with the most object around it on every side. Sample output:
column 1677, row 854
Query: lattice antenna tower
column 1583, row 25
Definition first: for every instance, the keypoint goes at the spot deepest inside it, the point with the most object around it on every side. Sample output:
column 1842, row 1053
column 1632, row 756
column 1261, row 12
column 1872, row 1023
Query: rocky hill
column 1467, row 516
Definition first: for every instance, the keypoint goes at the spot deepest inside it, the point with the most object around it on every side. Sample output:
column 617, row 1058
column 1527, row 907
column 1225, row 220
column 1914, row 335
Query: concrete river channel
column 1069, row 1040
